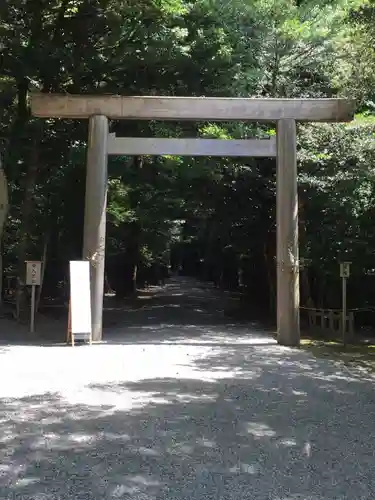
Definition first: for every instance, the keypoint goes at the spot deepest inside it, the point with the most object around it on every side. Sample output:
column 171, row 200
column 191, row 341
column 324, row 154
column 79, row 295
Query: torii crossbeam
column 285, row 112
column 135, row 146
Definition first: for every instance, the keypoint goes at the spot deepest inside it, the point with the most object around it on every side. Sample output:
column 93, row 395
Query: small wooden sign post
column 344, row 274
column 79, row 316
column 33, row 279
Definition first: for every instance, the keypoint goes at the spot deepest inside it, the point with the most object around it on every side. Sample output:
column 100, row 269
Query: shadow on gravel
column 255, row 423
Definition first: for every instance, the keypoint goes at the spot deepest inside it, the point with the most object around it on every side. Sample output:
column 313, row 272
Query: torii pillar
column 95, row 216
column 285, row 112
column 287, row 259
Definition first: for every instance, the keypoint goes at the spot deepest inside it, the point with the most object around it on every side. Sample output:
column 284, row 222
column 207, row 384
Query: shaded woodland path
column 184, row 310
column 181, row 404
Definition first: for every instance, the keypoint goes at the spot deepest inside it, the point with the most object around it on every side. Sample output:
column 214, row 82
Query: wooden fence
column 328, row 321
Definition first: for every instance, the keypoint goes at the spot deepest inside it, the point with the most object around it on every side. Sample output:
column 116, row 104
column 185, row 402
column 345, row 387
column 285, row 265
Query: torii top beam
column 191, row 108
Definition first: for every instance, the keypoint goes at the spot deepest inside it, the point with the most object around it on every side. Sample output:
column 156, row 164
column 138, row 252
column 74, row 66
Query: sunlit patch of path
column 178, row 403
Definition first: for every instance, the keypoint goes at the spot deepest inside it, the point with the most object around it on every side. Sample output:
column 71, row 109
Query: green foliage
column 223, row 209
column 337, row 182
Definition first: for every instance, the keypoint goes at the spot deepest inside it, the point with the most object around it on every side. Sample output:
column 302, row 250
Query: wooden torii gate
column 285, row 112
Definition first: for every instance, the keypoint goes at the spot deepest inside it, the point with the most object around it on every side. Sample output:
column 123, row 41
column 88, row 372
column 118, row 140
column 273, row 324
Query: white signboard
column 80, row 300
column 33, row 272
column 345, row 269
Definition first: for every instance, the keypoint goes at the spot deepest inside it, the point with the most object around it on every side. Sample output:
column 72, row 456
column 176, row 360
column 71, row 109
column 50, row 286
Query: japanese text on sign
column 33, row 273
column 345, row 269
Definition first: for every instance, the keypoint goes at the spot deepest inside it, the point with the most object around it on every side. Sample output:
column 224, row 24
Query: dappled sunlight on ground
column 213, row 411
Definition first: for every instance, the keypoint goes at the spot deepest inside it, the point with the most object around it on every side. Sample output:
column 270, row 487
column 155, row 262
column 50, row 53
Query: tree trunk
column 17, row 133
column 50, row 83
column 270, row 265
column 269, row 251
column 44, row 264
column 26, row 223
column 304, row 273
column 127, row 265
column 127, row 285
column 3, row 216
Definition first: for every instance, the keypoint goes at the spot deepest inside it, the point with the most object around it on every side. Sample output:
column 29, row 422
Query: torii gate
column 285, row 112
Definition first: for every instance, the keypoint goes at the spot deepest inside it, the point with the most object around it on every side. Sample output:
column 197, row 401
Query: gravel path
column 178, row 404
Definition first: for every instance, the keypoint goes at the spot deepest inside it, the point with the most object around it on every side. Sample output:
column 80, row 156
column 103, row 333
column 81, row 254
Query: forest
column 213, row 218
